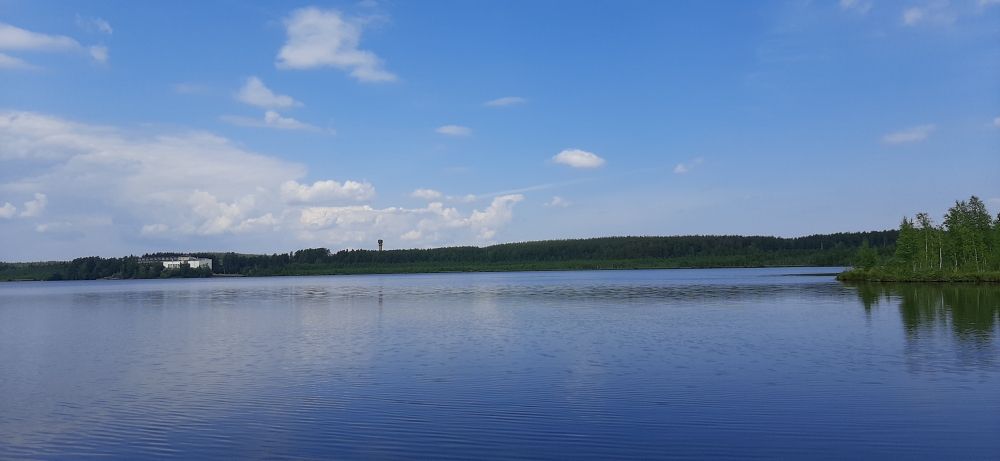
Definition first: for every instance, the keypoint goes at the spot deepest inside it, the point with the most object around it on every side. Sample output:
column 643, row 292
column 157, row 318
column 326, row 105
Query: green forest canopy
column 596, row 253
column 964, row 246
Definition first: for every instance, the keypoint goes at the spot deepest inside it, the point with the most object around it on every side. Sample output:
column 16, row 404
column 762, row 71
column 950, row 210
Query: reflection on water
column 732, row 364
column 970, row 311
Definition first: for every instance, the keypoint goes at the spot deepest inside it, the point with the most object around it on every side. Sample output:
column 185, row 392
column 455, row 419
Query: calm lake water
column 712, row 364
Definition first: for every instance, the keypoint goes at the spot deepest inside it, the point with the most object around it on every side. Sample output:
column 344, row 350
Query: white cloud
column 273, row 119
column 15, row 38
column 321, row 191
column 935, row 12
column 99, row 52
column 8, row 210
column 325, row 38
column 195, row 189
column 507, row 101
column 36, row 206
column 859, row 6
column 153, row 229
column 684, row 168
column 557, row 201
column 455, row 130
column 426, row 194
column 255, row 93
column 996, row 121
column 91, row 24
column 919, row 133
column 422, row 226
column 10, row 62
column 577, row 158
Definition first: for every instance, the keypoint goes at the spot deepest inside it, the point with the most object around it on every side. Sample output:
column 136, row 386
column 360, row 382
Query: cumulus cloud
column 325, row 38
column 255, row 93
column 684, row 168
column 94, row 24
column 455, row 130
column 8, row 211
column 577, row 158
column 120, row 191
column 36, row 206
column 935, row 13
column 557, row 201
column 914, row 134
column 420, row 226
column 506, row 101
column 273, row 119
column 322, row 191
column 15, row 38
column 859, row 6
column 427, row 194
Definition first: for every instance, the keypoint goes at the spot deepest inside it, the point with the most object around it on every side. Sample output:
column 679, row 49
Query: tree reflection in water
column 927, row 310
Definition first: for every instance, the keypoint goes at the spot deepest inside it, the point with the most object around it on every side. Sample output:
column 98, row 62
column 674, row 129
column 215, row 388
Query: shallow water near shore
column 658, row 364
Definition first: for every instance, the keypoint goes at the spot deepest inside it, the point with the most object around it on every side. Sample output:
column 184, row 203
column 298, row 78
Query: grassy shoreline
column 884, row 275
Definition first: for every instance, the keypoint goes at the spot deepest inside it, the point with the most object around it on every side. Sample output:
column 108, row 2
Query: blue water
column 665, row 364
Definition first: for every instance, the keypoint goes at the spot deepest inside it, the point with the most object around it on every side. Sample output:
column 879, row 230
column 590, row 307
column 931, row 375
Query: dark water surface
column 713, row 364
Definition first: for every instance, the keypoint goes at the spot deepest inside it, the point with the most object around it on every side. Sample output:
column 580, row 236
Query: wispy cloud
column 577, row 158
column 255, row 93
column 506, row 101
column 15, row 38
column 431, row 194
column 99, row 52
column 859, row 6
column 684, row 168
column 935, row 13
column 426, row 194
column 996, row 121
column 273, row 119
column 10, row 62
column 326, row 38
column 90, row 24
column 557, row 201
column 914, row 134
column 455, row 130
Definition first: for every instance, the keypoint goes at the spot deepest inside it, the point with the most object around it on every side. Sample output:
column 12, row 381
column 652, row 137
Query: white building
column 176, row 261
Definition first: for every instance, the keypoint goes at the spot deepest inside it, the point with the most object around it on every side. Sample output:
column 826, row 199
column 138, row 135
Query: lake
column 659, row 364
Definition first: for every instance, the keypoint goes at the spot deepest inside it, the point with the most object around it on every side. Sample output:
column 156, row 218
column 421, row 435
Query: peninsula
column 965, row 247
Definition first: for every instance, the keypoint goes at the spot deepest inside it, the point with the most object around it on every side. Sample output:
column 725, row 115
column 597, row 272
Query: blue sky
column 260, row 127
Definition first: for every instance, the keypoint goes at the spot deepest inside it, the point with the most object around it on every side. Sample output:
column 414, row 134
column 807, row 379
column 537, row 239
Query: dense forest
column 596, row 253
column 965, row 246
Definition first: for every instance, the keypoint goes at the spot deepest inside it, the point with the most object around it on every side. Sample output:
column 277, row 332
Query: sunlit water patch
column 724, row 364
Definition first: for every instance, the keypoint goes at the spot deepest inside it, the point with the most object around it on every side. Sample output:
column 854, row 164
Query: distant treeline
column 964, row 247
column 839, row 249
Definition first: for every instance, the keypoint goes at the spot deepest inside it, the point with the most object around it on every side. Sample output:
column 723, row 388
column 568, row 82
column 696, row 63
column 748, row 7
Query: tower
column 379, row 244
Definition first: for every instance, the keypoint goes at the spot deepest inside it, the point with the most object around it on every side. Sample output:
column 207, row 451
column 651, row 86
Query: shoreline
column 883, row 276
